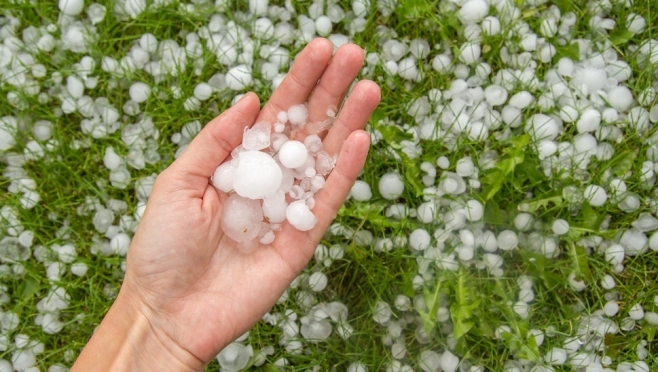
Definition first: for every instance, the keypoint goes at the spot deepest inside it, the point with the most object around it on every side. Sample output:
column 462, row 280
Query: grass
column 479, row 302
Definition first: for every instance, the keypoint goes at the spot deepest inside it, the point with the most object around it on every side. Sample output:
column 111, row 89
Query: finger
column 300, row 81
column 355, row 114
column 335, row 81
column 332, row 196
column 216, row 141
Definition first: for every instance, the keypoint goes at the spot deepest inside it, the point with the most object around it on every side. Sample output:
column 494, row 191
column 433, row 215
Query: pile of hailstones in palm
column 587, row 96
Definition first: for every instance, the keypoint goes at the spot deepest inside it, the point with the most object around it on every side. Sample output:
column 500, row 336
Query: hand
column 186, row 282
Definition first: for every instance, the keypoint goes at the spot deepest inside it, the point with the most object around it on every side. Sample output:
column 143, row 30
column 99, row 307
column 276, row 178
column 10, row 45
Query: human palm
column 200, row 290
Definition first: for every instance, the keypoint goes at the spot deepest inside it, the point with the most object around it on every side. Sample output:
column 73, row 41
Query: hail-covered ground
column 505, row 220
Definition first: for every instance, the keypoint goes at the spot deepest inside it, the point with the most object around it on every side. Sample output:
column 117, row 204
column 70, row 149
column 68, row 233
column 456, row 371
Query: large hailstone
column 241, row 219
column 71, row 7
column 234, row 357
column 315, row 330
column 257, row 175
column 300, row 216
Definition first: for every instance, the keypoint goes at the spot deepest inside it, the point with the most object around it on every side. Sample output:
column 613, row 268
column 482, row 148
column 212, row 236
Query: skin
column 188, row 290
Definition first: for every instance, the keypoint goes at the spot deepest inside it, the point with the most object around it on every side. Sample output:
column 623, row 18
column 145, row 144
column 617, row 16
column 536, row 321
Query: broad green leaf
column 432, row 301
column 415, row 8
column 28, row 288
column 373, row 213
column 620, row 37
column 492, row 213
column 533, row 205
column 571, row 51
column 580, row 262
column 393, row 134
column 529, row 350
column 412, row 174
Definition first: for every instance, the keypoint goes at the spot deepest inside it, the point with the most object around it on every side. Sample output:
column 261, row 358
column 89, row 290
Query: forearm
column 126, row 340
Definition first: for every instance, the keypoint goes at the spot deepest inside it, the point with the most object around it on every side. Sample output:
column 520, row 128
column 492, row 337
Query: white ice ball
column 361, row 191
column 223, row 176
column 474, row 11
column 300, row 216
column 293, row 154
column 239, row 77
column 257, row 175
column 71, row 7
column 391, row 186
column 139, row 92
column 241, row 218
column 596, row 195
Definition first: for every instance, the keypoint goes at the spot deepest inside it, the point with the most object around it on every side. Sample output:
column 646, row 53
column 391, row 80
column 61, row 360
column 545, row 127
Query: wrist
column 129, row 339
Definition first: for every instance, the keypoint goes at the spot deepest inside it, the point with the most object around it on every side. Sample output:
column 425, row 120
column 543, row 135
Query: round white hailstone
column 297, row 115
column 590, row 121
column 652, row 319
column 521, row 309
column 398, row 350
column 465, row 166
column 511, row 116
column 473, row 11
column 521, row 100
column 523, row 221
column 620, row 98
column 608, row 282
column 139, row 92
column 263, row 29
column 79, row 269
column 442, row 63
column 636, row 312
column 542, row 127
column 317, row 281
column 474, row 210
column 585, row 143
column 323, row 26
column 300, row 216
column 429, row 361
column 391, row 186
column 357, row 367
column 382, row 312
column 202, row 91
column 507, row 240
column 42, row 130
column 449, row 361
column 293, row 154
column 491, row 25
column 120, row 244
column 560, row 227
column 546, row 148
column 314, row 329
column 407, row 69
column 443, row 162
column 634, row 242
column 257, row 175
column 495, row 95
column 614, row 254
column 148, row 42
column 611, row 308
column 556, row 356
column 75, row 86
column 239, row 77
column 426, row 211
column 242, row 218
column 223, row 176
column 234, row 357
column 653, row 241
column 361, row 191
column 595, row 195
column 419, row 239
column 635, row 23
column 470, row 52
column 71, row 7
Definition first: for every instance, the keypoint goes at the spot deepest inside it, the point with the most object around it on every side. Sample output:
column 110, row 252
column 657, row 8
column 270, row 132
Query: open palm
column 202, row 291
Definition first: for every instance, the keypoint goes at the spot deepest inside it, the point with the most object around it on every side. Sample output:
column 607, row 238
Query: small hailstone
column 473, row 11
column 465, row 167
column 139, row 92
column 442, row 63
column 521, row 100
column 595, row 195
column 651, row 318
column 382, row 312
column 300, row 216
column 357, row 367
column 257, row 137
column 611, row 308
column 614, row 254
column 636, row 312
column 449, row 361
column 391, row 186
column 589, row 121
column 96, row 13
column 443, row 162
column 523, row 221
column 317, row 281
column 239, row 77
column 469, row 52
column 75, row 86
column 560, row 227
column 222, row 178
column 79, row 269
column 620, row 98
column 634, row 242
column 234, row 357
column 297, row 115
column 361, row 191
column 608, row 282
column 474, row 210
column 71, row 7
column 419, row 239
column 120, row 244
column 495, row 95
column 293, row 154
column 202, row 91
column 556, row 356
column 576, row 285
column 507, row 240
column 521, row 309
column 245, row 218
column 314, row 329
column 257, row 175
column 323, row 26
column 429, row 361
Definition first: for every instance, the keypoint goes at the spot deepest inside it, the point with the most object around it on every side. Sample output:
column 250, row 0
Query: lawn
column 524, row 133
